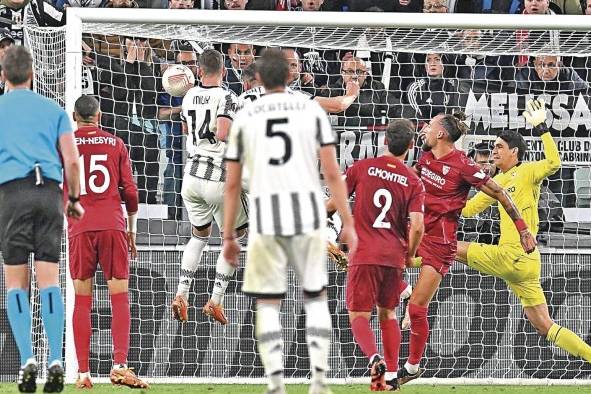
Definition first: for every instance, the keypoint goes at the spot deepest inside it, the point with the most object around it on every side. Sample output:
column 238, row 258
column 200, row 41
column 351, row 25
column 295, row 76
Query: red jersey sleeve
column 126, row 182
column 472, row 174
column 417, row 200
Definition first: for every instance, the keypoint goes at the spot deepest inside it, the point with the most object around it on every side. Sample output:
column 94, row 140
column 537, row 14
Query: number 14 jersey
column 386, row 192
column 201, row 107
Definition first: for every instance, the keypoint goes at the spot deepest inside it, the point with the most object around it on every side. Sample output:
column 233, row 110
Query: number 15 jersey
column 386, row 192
column 201, row 107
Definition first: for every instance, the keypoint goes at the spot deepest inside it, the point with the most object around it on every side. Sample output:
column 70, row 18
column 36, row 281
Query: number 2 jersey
column 386, row 192
column 447, row 183
column 105, row 178
column 202, row 106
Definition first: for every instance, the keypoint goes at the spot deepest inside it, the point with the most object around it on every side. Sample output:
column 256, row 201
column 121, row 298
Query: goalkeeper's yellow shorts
column 521, row 271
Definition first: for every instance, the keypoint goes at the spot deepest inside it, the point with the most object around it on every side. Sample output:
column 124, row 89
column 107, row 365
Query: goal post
column 478, row 332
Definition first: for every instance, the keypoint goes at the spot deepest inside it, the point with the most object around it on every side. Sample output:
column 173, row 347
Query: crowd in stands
column 125, row 74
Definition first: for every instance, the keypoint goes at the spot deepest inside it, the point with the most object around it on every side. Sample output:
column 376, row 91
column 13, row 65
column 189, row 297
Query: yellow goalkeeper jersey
column 522, row 182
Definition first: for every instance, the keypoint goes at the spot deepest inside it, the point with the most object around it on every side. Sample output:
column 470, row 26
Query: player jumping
column 506, row 260
column 448, row 175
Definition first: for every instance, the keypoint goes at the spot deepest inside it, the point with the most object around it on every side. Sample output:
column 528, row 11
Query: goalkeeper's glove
column 536, row 116
column 338, row 257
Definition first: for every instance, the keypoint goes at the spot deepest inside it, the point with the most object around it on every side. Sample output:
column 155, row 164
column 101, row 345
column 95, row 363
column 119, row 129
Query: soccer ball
column 177, row 80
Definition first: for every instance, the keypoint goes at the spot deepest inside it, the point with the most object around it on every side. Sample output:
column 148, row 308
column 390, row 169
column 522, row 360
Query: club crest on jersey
column 445, row 169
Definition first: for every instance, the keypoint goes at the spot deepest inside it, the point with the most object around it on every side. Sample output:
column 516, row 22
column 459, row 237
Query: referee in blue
column 34, row 131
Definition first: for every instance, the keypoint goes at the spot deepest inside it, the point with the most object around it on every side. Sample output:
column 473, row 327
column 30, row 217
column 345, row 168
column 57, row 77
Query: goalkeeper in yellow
column 507, row 260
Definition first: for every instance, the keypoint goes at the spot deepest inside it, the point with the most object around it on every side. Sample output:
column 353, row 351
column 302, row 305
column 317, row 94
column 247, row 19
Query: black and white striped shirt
column 202, row 106
column 278, row 138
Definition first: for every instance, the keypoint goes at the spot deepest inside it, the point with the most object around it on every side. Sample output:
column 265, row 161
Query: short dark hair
column 211, row 61
column 273, row 68
column 399, row 135
column 249, row 73
column 454, row 125
column 17, row 64
column 86, row 107
column 481, row 148
column 514, row 140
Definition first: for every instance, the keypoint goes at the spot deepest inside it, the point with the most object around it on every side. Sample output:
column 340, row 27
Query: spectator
column 588, row 8
column 549, row 75
column 406, row 6
column 370, row 107
column 60, row 4
column 121, row 4
column 535, row 7
column 181, row 4
column 298, row 80
column 473, row 67
column 6, row 41
column 239, row 57
column 485, row 227
column 141, row 133
column 433, row 94
column 435, row 6
column 312, row 5
column 235, row 4
column 169, row 109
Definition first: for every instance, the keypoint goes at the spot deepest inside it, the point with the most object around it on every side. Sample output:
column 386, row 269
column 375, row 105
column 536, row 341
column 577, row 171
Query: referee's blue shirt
column 30, row 127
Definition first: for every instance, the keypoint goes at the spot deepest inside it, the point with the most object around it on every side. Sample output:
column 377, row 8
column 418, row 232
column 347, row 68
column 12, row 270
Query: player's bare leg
column 425, row 289
column 82, row 327
column 224, row 272
column 560, row 336
column 121, row 374
column 270, row 343
column 189, row 263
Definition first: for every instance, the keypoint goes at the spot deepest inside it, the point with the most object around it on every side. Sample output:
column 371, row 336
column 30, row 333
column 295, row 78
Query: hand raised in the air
column 349, row 236
column 231, row 251
column 535, row 113
column 528, row 241
column 74, row 210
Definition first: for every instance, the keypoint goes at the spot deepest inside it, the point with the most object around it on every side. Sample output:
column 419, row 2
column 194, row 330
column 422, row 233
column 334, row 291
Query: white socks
column 411, row 368
column 270, row 342
column 189, row 263
column 318, row 330
column 224, row 272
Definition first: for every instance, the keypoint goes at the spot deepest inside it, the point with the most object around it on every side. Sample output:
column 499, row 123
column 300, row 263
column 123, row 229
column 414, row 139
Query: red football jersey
column 447, row 182
column 386, row 191
column 104, row 168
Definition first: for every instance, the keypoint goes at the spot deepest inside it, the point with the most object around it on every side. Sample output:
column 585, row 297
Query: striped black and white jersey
column 259, row 91
column 277, row 138
column 202, row 106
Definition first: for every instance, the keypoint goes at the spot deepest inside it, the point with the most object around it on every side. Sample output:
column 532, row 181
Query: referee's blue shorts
column 31, row 221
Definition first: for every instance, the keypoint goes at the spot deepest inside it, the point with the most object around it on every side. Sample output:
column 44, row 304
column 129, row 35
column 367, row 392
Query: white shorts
column 267, row 257
column 204, row 201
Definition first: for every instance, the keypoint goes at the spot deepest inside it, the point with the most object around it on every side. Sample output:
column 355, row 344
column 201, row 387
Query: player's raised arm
column 536, row 116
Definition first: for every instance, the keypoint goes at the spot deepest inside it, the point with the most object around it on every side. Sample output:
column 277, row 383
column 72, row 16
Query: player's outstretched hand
column 132, row 244
column 535, row 114
column 349, row 236
column 528, row 241
column 74, row 210
column 231, row 251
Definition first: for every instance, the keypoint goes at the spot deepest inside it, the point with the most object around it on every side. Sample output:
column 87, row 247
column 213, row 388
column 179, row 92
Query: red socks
column 120, row 323
column 82, row 330
column 364, row 336
column 419, row 332
column 391, row 341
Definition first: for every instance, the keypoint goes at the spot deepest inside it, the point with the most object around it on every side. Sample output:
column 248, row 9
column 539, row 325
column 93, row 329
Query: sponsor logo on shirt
column 436, row 178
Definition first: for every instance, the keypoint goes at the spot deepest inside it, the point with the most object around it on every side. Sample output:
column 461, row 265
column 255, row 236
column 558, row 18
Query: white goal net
column 408, row 66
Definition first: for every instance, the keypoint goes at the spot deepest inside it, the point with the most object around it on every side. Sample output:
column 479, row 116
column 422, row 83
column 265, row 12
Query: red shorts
column 373, row 285
column 107, row 248
column 436, row 254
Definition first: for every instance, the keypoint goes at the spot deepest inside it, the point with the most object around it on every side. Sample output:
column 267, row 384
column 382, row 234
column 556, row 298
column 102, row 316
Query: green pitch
column 302, row 389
